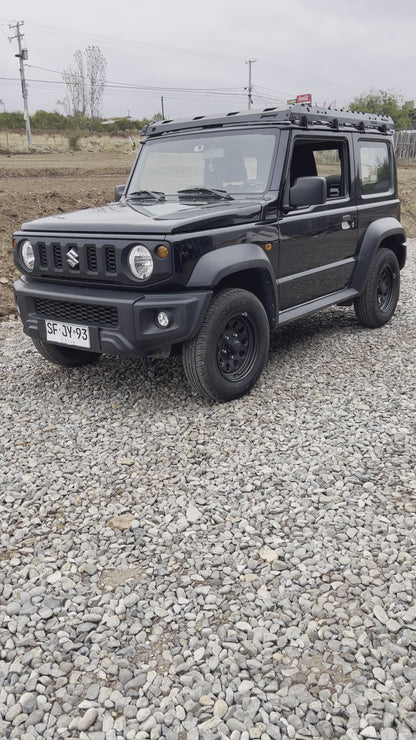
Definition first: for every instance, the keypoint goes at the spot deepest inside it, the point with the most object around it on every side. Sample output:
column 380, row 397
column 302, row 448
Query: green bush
column 73, row 140
column 387, row 103
column 12, row 121
column 44, row 121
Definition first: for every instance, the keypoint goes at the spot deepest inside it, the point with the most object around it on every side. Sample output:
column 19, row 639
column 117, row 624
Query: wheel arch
column 385, row 232
column 243, row 266
column 397, row 246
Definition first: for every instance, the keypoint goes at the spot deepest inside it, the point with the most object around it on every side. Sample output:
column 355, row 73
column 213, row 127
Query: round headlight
column 140, row 262
column 28, row 255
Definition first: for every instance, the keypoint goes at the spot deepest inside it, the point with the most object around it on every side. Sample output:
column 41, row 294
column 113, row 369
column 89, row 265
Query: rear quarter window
column 375, row 168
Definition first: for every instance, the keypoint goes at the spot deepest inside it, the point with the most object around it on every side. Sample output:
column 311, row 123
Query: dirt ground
column 35, row 185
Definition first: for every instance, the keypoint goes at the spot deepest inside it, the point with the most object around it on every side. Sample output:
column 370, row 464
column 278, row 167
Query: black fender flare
column 213, row 267
column 377, row 232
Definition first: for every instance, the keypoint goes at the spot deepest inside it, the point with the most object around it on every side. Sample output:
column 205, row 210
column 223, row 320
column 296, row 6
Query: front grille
column 92, row 258
column 57, row 256
column 43, row 255
column 82, row 313
column 110, row 259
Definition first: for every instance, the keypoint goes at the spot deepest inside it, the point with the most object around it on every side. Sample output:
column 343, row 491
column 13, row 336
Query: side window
column 323, row 158
column 375, row 169
column 328, row 165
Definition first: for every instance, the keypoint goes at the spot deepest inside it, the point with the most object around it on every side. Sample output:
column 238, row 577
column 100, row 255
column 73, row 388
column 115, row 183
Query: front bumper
column 120, row 322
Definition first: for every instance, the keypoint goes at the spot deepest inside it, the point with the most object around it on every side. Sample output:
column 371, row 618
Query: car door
column 317, row 243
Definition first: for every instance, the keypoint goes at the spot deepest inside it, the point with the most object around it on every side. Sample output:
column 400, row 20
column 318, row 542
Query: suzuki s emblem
column 72, row 258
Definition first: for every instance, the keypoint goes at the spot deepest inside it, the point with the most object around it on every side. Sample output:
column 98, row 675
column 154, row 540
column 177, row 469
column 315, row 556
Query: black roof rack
column 296, row 116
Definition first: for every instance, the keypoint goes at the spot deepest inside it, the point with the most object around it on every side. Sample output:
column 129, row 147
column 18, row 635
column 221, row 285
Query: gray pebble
column 262, row 582
column 88, row 719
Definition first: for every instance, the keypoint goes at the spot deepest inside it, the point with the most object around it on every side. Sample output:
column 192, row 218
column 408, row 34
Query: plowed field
column 36, row 185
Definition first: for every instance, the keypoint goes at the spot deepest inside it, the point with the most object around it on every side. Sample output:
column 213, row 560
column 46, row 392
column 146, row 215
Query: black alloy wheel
column 227, row 356
column 377, row 304
column 237, row 348
column 385, row 288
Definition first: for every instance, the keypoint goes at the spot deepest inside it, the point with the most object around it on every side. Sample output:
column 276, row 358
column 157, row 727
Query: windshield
column 223, row 163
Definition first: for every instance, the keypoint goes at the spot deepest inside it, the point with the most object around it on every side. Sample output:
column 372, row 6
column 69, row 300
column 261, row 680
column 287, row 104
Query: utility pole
column 250, row 87
column 163, row 109
column 22, row 55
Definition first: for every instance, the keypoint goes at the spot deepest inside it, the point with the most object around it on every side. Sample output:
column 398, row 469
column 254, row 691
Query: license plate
column 73, row 334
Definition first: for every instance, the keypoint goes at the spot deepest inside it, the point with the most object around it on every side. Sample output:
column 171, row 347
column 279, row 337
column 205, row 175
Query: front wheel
column 377, row 304
column 64, row 356
column 225, row 359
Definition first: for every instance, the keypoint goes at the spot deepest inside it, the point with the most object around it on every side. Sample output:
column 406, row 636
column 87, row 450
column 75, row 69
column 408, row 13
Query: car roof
column 295, row 116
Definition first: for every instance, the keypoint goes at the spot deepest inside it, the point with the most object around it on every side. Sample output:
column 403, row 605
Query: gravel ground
column 179, row 569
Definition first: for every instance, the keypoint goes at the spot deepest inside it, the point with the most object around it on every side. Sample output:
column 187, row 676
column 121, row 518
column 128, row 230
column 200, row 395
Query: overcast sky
column 193, row 52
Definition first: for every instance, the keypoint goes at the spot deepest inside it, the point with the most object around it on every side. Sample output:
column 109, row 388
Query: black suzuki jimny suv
column 228, row 227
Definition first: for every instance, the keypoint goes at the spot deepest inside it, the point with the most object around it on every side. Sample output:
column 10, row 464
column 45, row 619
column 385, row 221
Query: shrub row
column 44, row 121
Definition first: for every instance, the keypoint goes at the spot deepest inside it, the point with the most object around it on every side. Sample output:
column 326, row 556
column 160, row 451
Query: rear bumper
column 120, row 322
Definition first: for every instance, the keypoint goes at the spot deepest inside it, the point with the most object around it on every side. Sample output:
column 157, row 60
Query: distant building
column 108, row 121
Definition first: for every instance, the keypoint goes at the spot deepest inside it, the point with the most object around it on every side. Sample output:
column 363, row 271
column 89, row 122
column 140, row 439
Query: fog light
column 164, row 319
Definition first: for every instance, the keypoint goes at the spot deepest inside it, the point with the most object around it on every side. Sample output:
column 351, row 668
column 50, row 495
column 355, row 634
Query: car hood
column 162, row 217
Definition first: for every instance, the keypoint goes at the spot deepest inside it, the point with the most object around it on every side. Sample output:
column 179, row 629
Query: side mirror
column 308, row 191
column 118, row 192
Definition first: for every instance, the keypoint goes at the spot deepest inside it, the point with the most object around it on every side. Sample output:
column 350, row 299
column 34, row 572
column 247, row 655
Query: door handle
column 347, row 222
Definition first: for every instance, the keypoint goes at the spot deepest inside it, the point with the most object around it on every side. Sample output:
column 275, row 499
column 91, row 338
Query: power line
column 274, row 92
column 135, row 44
column 232, row 91
column 129, row 86
column 137, row 92
column 305, row 80
column 44, row 28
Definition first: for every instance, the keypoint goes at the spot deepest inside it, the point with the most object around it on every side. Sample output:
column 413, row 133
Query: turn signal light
column 162, row 251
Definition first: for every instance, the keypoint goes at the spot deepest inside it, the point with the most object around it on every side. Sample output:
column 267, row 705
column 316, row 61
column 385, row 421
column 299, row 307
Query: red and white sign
column 304, row 99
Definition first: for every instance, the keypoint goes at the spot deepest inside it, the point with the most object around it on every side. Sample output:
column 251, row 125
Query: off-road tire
column 377, row 304
column 227, row 356
column 65, row 356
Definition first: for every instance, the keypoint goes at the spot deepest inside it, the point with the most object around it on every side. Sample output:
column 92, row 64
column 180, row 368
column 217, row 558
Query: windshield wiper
column 205, row 193
column 147, row 195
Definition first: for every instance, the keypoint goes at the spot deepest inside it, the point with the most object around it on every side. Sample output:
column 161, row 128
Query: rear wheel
column 65, row 356
column 228, row 354
column 377, row 304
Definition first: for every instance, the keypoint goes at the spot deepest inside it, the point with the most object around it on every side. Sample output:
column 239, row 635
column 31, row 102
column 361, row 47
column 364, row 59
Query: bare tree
column 85, row 83
column 74, row 78
column 96, row 66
